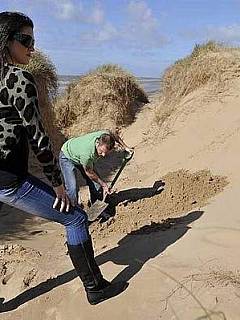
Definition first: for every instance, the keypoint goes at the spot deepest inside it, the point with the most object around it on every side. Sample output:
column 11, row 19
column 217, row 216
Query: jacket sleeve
column 26, row 103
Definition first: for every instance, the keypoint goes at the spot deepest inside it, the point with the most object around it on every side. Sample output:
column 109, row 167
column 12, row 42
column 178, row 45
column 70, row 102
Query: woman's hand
column 61, row 200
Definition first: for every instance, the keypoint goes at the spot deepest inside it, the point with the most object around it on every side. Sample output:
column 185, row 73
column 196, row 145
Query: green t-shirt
column 82, row 150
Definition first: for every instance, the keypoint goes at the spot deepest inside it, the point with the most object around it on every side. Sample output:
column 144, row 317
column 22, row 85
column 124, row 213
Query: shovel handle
column 128, row 157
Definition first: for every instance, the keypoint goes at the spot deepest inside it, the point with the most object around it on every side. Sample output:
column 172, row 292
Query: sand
column 174, row 235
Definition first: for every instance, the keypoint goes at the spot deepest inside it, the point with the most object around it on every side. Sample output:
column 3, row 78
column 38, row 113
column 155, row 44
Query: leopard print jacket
column 20, row 125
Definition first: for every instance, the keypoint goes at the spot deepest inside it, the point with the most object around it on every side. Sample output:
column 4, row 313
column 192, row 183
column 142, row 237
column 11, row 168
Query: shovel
column 99, row 206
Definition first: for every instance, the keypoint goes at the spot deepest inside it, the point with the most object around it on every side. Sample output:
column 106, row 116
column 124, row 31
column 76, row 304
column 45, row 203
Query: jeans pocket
column 24, row 190
column 8, row 195
column 12, row 195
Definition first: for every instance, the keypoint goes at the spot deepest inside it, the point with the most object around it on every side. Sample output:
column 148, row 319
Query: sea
column 150, row 85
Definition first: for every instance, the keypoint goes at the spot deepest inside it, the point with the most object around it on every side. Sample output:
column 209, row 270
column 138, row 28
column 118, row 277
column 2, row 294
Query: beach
column 150, row 85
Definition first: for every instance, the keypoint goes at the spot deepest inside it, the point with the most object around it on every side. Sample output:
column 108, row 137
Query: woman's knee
column 82, row 215
column 78, row 217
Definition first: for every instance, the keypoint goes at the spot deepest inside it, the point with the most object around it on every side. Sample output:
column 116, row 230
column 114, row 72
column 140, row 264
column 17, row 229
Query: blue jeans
column 36, row 197
column 69, row 170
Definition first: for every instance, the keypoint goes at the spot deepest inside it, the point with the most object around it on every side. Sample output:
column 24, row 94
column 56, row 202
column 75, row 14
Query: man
column 81, row 153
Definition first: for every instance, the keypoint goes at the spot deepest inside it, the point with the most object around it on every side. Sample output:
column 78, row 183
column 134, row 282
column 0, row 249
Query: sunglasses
column 25, row 39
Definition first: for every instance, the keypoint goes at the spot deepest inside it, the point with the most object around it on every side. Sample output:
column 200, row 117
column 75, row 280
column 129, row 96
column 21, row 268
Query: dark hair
column 108, row 140
column 10, row 23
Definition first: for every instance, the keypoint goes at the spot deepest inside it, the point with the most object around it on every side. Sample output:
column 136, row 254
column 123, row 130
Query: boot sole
column 93, row 303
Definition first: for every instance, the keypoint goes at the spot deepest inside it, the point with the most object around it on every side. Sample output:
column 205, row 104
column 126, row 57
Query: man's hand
column 61, row 200
column 94, row 176
column 106, row 189
column 129, row 150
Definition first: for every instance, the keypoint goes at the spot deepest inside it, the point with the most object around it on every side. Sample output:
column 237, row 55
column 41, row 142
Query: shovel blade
column 96, row 209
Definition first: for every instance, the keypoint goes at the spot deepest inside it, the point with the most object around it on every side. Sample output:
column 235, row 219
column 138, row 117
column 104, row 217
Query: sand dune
column 177, row 243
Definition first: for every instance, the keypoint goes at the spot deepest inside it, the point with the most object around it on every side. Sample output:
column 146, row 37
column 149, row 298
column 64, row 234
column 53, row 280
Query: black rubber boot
column 100, row 294
column 97, row 288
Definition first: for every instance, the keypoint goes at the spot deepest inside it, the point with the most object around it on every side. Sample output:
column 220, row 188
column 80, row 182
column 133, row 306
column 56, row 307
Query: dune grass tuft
column 105, row 97
column 210, row 63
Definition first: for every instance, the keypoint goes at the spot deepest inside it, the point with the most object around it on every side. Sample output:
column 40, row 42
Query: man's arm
column 93, row 176
column 119, row 140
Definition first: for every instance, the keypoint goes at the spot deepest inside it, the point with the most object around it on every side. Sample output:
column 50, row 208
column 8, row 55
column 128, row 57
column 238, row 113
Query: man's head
column 105, row 144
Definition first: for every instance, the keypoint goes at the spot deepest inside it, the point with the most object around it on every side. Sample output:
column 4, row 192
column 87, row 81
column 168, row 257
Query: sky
column 142, row 36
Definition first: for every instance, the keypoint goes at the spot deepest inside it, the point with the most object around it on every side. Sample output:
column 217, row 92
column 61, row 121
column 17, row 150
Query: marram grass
column 107, row 97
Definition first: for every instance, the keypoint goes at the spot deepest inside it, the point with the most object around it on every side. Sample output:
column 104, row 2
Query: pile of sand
column 145, row 208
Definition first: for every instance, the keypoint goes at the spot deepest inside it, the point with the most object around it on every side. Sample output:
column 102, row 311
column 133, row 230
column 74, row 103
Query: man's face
column 102, row 150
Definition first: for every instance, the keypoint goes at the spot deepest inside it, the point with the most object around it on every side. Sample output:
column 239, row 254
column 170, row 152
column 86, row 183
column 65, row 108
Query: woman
column 20, row 125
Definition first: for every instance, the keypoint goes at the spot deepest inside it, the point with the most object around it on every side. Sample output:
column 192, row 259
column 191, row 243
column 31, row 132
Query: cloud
column 106, row 33
column 225, row 33
column 142, row 28
column 139, row 30
column 228, row 34
column 70, row 10
column 97, row 15
column 66, row 9
column 142, row 15
column 136, row 28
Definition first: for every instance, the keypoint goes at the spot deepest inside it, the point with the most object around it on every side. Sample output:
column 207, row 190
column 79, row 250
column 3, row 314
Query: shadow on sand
column 140, row 245
column 135, row 194
column 17, row 224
